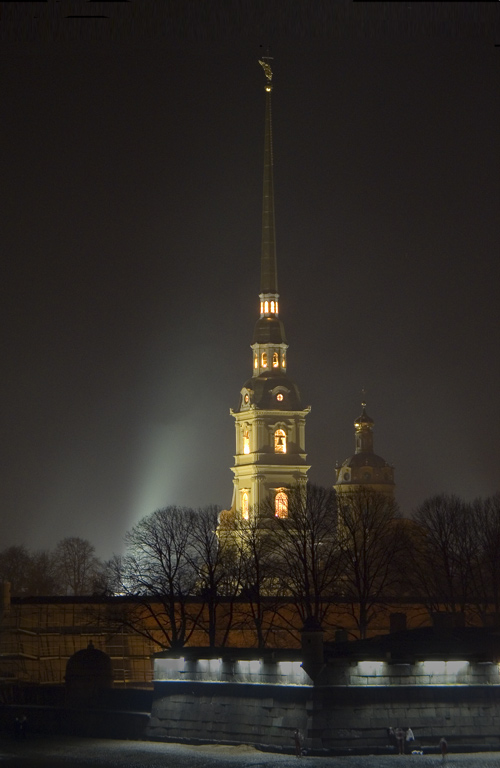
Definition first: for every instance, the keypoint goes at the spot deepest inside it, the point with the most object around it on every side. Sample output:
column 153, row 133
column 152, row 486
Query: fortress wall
column 263, row 705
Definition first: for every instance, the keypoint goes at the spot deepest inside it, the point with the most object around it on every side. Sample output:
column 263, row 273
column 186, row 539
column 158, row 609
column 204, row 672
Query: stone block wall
column 335, row 718
column 229, row 712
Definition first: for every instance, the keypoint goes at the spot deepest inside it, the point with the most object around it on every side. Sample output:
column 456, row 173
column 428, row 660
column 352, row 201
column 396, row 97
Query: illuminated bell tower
column 270, row 419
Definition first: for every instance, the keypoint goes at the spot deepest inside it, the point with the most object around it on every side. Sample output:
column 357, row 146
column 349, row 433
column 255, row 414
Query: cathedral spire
column 268, row 273
column 270, row 418
column 269, row 341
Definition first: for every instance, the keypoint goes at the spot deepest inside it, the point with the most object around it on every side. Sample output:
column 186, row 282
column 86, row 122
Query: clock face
column 279, row 397
column 246, row 399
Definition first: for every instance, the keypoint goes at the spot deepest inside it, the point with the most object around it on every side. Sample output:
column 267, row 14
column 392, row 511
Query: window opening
column 276, row 361
column 244, row 505
column 246, row 442
column 281, row 505
column 264, row 360
column 280, row 441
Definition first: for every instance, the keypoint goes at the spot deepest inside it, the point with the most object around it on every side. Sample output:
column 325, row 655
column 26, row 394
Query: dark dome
column 269, row 330
column 264, row 392
column 365, row 460
column 89, row 663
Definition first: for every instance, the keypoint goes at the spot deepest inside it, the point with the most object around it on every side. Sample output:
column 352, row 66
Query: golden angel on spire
column 267, row 70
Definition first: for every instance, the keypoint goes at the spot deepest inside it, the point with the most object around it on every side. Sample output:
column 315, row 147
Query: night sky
column 131, row 184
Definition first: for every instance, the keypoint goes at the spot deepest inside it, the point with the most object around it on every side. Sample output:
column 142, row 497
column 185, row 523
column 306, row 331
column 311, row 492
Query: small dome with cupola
column 364, row 467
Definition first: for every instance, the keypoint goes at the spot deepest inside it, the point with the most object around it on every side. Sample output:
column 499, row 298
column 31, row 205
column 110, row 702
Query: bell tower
column 270, row 418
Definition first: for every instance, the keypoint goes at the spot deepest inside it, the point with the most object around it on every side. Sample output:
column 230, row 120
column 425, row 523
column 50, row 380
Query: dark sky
column 131, row 175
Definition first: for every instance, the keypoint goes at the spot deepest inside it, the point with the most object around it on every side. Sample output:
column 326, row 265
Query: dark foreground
column 104, row 753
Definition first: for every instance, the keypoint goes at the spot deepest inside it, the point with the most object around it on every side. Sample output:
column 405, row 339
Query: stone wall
column 229, row 712
column 334, row 718
column 263, row 701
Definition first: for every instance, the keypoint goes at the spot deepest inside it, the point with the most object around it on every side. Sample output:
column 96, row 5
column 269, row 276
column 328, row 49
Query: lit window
column 256, row 362
column 283, row 362
column 244, row 505
column 246, row 442
column 266, row 307
column 272, row 306
column 261, row 307
column 276, row 361
column 281, row 505
column 280, row 441
column 276, row 307
column 264, row 360
column 279, row 397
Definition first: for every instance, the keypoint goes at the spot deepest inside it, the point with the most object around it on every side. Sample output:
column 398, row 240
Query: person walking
column 443, row 746
column 400, row 740
column 409, row 739
column 298, row 745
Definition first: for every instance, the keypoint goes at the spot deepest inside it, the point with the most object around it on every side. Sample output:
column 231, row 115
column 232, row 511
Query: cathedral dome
column 363, row 421
column 271, row 391
column 365, row 459
column 364, row 467
column 269, row 330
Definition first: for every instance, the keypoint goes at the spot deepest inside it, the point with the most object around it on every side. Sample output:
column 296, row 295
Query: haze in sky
column 131, row 220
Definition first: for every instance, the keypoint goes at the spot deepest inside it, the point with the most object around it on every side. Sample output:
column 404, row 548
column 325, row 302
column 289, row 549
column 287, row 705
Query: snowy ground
column 103, row 753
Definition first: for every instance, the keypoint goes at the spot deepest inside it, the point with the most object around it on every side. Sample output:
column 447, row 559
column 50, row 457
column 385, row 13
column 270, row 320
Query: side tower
column 364, row 468
column 270, row 418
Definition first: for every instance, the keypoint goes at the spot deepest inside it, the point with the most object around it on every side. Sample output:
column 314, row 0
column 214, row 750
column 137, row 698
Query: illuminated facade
column 270, row 419
column 364, row 468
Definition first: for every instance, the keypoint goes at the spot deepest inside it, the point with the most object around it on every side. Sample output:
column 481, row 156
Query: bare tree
column 254, row 554
column 371, row 540
column 305, row 549
column 15, row 563
column 42, row 574
column 444, row 550
column 158, row 571
column 218, row 579
column 485, row 521
column 76, row 565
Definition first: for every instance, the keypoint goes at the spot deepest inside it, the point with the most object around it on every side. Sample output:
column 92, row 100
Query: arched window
column 246, row 442
column 244, row 505
column 283, row 362
column 281, row 504
column 276, row 361
column 266, row 307
column 263, row 361
column 272, row 306
column 280, row 441
column 256, row 361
